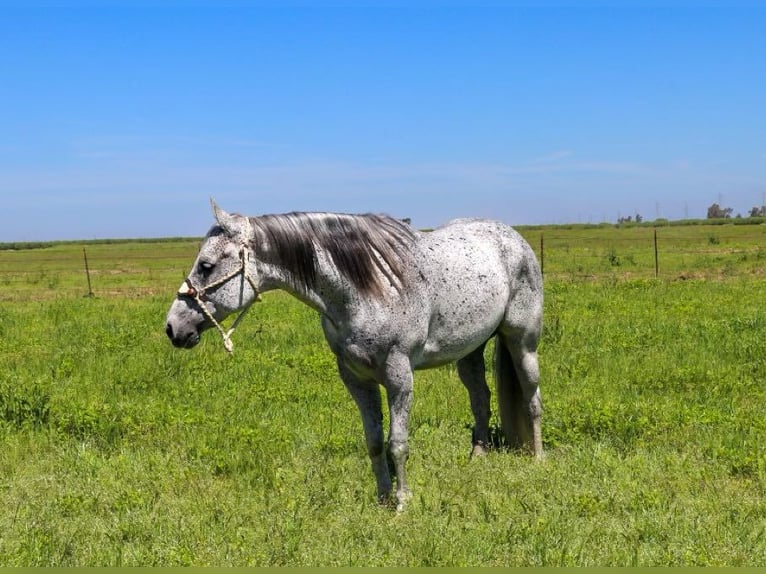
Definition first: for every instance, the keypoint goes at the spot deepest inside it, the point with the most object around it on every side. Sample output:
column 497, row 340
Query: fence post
column 542, row 255
column 87, row 272
column 656, row 256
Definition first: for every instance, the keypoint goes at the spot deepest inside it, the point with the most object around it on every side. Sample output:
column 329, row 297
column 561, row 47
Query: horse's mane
column 364, row 248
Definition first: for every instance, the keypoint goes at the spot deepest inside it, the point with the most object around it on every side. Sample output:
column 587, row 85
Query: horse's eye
column 206, row 267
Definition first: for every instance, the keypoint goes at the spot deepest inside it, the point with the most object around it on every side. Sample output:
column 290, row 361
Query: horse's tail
column 509, row 396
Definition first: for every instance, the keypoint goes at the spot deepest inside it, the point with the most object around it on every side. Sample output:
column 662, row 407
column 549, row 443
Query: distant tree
column 715, row 211
column 629, row 219
column 758, row 211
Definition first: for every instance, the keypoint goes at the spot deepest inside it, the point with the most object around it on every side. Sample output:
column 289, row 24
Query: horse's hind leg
column 517, row 373
column 471, row 370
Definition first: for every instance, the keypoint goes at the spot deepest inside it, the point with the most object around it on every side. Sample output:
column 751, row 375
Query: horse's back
column 483, row 249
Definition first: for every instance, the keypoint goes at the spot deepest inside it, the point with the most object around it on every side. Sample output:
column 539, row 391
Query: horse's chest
column 359, row 351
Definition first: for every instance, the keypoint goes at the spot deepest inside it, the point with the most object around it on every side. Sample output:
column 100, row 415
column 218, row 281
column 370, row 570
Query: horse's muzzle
column 182, row 341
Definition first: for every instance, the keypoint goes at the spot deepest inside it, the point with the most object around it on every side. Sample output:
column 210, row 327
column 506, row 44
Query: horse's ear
column 226, row 220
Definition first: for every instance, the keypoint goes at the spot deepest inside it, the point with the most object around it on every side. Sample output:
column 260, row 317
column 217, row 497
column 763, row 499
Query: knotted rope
column 188, row 289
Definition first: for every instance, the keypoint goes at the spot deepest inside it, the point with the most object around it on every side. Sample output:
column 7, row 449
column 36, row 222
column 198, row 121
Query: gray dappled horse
column 391, row 299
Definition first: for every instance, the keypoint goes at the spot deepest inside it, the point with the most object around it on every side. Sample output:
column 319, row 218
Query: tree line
column 715, row 211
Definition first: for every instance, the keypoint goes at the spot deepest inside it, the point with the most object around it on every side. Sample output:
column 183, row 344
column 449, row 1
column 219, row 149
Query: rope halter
column 200, row 295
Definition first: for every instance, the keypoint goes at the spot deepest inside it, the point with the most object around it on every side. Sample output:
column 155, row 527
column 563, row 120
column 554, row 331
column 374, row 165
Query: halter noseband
column 199, row 295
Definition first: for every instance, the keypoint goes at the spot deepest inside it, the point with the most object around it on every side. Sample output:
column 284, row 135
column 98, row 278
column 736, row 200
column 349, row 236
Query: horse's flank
column 364, row 248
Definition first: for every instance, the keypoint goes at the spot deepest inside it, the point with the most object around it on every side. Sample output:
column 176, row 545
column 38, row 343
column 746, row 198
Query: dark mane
column 364, row 248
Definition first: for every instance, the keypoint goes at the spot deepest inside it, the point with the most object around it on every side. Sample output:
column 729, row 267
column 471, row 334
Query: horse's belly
column 450, row 339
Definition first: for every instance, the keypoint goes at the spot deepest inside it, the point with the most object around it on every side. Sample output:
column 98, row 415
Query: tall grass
column 116, row 449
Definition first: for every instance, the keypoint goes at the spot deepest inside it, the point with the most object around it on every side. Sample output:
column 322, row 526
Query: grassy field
column 116, row 449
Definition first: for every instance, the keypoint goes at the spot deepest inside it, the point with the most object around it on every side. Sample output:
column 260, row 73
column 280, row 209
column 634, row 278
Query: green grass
column 116, row 449
column 684, row 251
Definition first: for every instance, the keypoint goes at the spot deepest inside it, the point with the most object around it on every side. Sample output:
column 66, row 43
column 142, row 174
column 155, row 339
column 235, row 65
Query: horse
column 392, row 300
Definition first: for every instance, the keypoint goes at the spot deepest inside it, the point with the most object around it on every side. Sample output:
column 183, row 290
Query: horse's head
column 222, row 281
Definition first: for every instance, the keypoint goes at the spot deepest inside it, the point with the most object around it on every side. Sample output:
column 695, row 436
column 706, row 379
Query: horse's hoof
column 402, row 500
column 387, row 499
column 478, row 450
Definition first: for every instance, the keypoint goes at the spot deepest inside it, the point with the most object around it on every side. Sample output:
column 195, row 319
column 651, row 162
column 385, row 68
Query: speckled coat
column 391, row 300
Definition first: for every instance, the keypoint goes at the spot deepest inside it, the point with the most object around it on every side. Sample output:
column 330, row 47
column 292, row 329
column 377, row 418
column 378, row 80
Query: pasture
column 117, row 449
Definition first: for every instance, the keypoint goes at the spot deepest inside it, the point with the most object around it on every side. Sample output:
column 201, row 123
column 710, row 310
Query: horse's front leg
column 398, row 383
column 367, row 398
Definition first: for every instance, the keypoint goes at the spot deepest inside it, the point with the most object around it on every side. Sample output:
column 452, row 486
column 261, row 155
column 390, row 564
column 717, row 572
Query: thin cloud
column 120, row 174
column 555, row 156
column 145, row 147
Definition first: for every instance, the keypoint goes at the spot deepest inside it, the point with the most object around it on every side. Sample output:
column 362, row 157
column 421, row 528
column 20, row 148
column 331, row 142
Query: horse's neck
column 327, row 295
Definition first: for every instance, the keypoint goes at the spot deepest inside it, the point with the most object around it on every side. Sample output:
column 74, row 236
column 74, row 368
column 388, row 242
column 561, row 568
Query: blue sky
column 121, row 121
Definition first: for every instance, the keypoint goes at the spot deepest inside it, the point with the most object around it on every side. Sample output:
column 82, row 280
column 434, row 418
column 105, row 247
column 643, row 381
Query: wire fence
column 116, row 269
column 145, row 268
column 669, row 253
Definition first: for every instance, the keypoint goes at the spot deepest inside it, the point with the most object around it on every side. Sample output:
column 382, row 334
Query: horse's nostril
column 169, row 330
